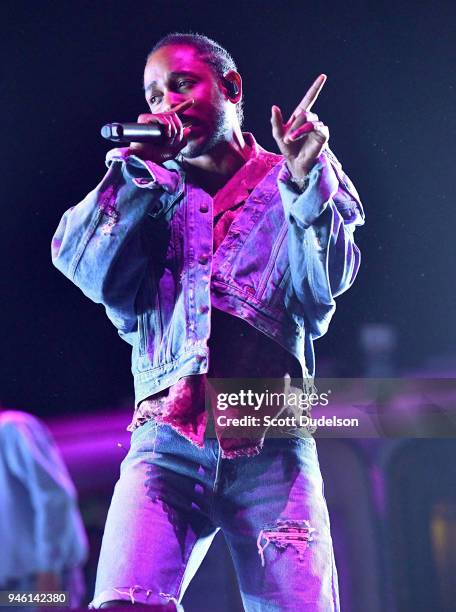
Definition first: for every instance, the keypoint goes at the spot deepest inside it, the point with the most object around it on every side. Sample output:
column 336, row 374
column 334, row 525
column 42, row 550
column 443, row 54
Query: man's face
column 173, row 74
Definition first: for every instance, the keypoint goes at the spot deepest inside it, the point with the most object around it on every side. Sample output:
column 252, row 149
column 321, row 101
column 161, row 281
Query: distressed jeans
column 172, row 498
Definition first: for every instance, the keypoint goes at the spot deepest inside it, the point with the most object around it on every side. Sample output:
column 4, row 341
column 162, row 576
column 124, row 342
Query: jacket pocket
column 272, row 262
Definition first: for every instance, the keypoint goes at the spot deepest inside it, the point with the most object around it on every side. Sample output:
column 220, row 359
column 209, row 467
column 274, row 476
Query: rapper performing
column 214, row 259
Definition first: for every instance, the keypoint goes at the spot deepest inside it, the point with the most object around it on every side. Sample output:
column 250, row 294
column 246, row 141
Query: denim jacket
column 141, row 244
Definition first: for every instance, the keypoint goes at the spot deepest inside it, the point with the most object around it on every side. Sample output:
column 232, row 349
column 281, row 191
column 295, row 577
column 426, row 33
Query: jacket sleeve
column 59, row 536
column 100, row 243
column 324, row 258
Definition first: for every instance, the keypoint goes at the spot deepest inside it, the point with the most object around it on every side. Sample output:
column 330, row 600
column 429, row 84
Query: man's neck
column 214, row 169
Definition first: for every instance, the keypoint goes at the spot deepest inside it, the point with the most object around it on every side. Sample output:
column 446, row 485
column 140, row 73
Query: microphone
column 133, row 132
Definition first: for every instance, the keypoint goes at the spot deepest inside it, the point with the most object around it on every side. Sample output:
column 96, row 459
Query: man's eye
column 184, row 83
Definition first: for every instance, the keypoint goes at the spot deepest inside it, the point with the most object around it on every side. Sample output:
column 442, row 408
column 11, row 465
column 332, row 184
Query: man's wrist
column 301, row 183
column 300, row 178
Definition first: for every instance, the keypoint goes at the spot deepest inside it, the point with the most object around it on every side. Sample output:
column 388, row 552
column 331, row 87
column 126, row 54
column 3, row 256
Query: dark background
column 69, row 67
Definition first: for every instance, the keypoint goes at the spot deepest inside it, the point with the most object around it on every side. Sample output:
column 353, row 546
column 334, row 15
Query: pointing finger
column 312, row 94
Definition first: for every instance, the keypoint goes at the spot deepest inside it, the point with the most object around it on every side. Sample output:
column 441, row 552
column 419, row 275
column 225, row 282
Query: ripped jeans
column 172, row 498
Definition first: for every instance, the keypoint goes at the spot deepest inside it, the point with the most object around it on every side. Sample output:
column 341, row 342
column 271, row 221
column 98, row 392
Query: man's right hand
column 176, row 135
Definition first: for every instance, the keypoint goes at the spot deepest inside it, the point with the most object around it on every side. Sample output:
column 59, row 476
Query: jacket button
column 203, row 309
column 204, row 208
column 203, row 259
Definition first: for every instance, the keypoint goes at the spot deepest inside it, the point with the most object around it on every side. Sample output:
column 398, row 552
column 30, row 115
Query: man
column 214, row 257
column 43, row 540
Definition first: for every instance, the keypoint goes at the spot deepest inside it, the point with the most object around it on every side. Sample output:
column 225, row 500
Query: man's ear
column 233, row 85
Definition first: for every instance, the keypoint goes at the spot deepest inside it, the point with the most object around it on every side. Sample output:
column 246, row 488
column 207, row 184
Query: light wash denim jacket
column 141, row 242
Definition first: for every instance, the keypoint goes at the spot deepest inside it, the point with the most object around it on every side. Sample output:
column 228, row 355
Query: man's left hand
column 303, row 137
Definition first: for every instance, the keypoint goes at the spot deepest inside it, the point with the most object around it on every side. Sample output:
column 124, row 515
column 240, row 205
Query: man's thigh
column 157, row 530
column 276, row 524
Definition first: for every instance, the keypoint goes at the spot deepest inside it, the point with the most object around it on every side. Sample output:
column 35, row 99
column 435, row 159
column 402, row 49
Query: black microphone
column 133, row 132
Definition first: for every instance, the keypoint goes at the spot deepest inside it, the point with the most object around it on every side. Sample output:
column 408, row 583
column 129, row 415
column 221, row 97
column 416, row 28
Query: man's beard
column 217, row 135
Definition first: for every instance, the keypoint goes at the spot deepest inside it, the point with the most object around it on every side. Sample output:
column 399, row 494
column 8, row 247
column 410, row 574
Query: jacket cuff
column 304, row 208
column 143, row 173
